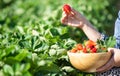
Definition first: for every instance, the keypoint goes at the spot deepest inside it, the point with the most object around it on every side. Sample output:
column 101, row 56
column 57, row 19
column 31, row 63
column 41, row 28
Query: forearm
column 90, row 31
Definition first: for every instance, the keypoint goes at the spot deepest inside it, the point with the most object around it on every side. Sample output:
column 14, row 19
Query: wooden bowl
column 88, row 62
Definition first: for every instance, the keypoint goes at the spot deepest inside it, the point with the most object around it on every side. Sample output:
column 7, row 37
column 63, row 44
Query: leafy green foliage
column 33, row 42
column 107, row 43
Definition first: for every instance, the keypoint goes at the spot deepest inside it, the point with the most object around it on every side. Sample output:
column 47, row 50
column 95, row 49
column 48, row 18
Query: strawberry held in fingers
column 67, row 9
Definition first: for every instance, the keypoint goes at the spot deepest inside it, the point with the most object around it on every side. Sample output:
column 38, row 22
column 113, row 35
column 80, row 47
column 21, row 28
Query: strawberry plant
column 33, row 42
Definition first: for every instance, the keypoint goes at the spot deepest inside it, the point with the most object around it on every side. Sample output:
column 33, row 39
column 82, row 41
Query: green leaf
column 26, row 74
column 8, row 70
column 110, row 42
column 21, row 55
column 7, row 51
column 54, row 32
column 16, row 67
column 52, row 52
column 49, row 68
column 25, row 67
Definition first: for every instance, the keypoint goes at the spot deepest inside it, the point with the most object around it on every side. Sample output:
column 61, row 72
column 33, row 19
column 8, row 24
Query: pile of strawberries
column 89, row 46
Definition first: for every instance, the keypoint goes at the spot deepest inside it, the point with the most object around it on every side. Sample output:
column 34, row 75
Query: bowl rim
column 88, row 53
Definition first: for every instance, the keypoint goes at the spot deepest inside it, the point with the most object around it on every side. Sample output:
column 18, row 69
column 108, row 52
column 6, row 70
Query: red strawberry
column 93, row 50
column 74, row 50
column 90, row 42
column 90, row 47
column 84, row 50
column 79, row 46
column 67, row 8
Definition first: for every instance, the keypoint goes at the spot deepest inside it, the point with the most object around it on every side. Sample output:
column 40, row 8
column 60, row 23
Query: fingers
column 74, row 11
column 111, row 49
column 107, row 66
column 64, row 17
column 70, row 19
column 116, row 54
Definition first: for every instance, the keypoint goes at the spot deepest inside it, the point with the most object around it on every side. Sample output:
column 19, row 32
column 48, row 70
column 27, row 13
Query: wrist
column 82, row 25
column 85, row 25
column 83, row 22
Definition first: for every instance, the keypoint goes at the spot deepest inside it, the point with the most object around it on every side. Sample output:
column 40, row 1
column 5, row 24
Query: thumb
column 111, row 50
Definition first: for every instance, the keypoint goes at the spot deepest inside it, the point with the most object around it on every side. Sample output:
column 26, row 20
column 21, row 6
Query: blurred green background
column 33, row 42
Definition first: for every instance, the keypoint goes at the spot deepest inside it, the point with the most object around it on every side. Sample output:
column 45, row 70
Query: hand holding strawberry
column 72, row 17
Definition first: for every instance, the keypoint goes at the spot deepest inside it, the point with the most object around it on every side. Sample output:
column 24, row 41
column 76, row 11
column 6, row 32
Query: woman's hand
column 113, row 62
column 73, row 19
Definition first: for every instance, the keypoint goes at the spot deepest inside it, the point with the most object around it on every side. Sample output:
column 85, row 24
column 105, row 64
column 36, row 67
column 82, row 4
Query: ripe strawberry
column 79, row 46
column 67, row 8
column 90, row 42
column 84, row 50
column 74, row 50
column 93, row 50
column 90, row 46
